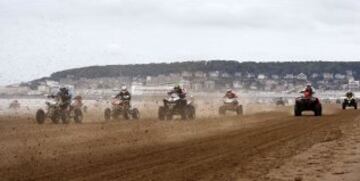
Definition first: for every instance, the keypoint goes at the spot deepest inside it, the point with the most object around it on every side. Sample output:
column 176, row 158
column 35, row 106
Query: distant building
column 186, row 74
column 250, row 75
column 349, row 73
column 340, row 76
column 214, row 74
column 238, row 74
column 196, row 86
column 354, row 85
column 261, row 77
column 289, row 76
column 199, row 74
column 314, row 75
column 275, row 77
column 225, row 75
column 328, row 76
column 209, row 85
column 237, row 84
column 301, row 76
column 14, row 90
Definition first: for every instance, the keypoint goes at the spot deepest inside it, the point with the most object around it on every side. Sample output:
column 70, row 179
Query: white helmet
column 123, row 88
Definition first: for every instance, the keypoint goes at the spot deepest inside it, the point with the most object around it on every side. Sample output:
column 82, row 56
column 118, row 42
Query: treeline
column 231, row 67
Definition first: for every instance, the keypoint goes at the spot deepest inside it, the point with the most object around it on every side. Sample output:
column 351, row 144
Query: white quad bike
column 231, row 105
column 174, row 105
column 349, row 101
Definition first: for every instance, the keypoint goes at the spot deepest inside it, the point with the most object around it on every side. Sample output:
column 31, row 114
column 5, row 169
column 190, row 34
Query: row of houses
column 196, row 81
column 301, row 76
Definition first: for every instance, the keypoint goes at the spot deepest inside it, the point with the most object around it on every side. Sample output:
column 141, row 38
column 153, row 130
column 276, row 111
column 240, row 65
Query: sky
column 39, row 37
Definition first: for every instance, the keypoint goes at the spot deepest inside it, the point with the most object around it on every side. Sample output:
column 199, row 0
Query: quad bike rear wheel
column 183, row 114
column 169, row 116
column 191, row 112
column 297, row 111
column 125, row 115
column 55, row 117
column 107, row 114
column 239, row 110
column 161, row 113
column 78, row 116
column 65, row 118
column 222, row 110
column 40, row 116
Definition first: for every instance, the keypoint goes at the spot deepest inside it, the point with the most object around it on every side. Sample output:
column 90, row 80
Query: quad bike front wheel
column 135, row 114
column 297, row 110
column 318, row 110
column 40, row 116
column 55, row 117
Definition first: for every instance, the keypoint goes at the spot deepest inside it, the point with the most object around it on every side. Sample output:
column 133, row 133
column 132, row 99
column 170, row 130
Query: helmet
column 177, row 87
column 123, row 88
column 229, row 90
column 63, row 89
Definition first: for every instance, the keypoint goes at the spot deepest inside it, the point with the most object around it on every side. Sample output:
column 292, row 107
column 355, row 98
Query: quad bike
column 121, row 108
column 280, row 102
column 307, row 103
column 231, row 105
column 15, row 105
column 56, row 113
column 349, row 101
column 174, row 105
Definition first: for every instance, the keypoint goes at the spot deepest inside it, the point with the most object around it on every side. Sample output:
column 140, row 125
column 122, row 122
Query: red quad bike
column 121, row 108
column 231, row 105
column 307, row 103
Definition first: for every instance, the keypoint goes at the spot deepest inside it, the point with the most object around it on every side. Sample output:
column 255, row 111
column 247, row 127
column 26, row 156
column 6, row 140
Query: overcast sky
column 39, row 37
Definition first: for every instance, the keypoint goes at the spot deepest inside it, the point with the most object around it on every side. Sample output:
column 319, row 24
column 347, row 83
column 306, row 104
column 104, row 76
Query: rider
column 349, row 94
column 308, row 91
column 63, row 96
column 124, row 94
column 78, row 101
column 179, row 91
column 230, row 94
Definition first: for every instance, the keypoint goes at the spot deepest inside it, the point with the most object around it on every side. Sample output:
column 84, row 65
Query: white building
column 209, row 85
column 301, row 76
column 214, row 74
column 261, row 77
column 289, row 76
